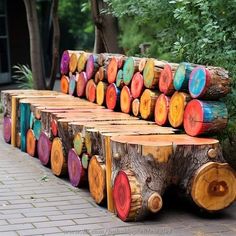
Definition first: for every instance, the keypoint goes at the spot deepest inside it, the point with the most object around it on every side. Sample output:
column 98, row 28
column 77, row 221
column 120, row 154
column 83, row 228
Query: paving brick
column 78, row 228
column 11, row 216
column 56, row 223
column 67, row 217
column 27, row 220
column 43, row 231
column 43, row 213
column 7, row 233
column 15, row 227
column 96, row 220
column 16, row 206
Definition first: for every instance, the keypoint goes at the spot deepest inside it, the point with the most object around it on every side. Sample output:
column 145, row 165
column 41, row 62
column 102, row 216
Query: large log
column 125, row 100
column 7, row 129
column 130, row 67
column 119, row 79
column 112, row 70
column 81, row 84
column 72, row 84
column 31, row 143
column 64, row 84
column 177, row 106
column 90, row 91
column 162, row 110
column 137, row 85
column 82, row 61
column 209, row 83
column 73, row 61
column 91, row 66
column 112, row 97
column 201, row 117
column 101, row 93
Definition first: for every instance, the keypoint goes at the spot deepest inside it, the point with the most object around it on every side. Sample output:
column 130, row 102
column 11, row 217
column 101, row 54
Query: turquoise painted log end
column 37, row 128
column 128, row 70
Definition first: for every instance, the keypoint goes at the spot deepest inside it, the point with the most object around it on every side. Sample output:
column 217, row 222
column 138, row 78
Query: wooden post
column 13, row 120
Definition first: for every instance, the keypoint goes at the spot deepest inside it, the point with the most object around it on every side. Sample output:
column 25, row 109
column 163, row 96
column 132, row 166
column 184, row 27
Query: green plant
column 23, row 76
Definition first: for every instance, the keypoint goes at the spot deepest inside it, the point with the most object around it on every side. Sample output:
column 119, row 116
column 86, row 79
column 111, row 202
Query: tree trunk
column 35, row 46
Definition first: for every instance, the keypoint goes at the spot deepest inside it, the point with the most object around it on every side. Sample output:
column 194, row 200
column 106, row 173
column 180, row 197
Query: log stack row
column 180, row 95
column 127, row 163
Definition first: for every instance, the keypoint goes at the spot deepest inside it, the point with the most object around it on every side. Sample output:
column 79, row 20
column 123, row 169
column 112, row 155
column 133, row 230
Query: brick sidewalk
column 35, row 202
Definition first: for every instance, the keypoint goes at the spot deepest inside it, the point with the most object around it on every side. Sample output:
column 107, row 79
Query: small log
column 177, row 106
column 162, row 110
column 64, row 84
column 77, row 174
column 201, row 117
column 147, row 104
column 91, row 66
column 54, row 127
column 142, row 64
column 119, row 79
column 72, row 85
column 44, row 146
column 58, row 159
column 125, row 100
column 85, row 160
column 137, row 85
column 182, row 75
column 96, row 77
column 130, row 67
column 136, row 107
column 97, row 179
column 31, row 143
column 151, row 74
column 209, row 83
column 7, row 129
column 81, row 84
column 82, row 61
column 78, row 143
column 166, row 81
column 112, row 70
column 101, row 93
column 112, row 97
column 90, row 91
column 37, row 128
column 73, row 62
column 102, row 73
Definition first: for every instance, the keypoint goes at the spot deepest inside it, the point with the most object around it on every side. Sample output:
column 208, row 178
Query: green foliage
column 77, row 31
column 23, row 76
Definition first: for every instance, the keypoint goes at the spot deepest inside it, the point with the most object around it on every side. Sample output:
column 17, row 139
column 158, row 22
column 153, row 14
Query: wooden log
column 137, row 85
column 85, row 159
column 182, row 75
column 147, row 104
column 91, row 66
column 96, row 77
column 162, row 110
column 142, row 64
column 112, row 97
column 44, row 146
column 112, row 70
column 125, row 100
column 209, row 83
column 77, row 174
column 119, row 79
column 82, row 61
column 58, row 159
column 18, row 139
column 72, row 85
column 97, row 179
column 177, row 106
column 102, row 73
column 90, row 91
column 105, row 58
column 73, row 62
column 31, row 143
column 166, row 81
column 81, row 84
column 151, row 74
column 130, row 67
column 65, row 59
column 78, row 143
column 7, row 129
column 101, row 93
column 64, row 84
column 53, row 127
column 14, row 119
column 201, row 117
column 136, row 107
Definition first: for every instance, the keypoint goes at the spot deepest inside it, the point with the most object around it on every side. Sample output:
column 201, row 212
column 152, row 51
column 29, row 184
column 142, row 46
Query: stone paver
column 35, row 202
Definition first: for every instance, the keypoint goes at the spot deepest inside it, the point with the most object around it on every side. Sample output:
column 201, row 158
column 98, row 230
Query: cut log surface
column 65, row 59
column 44, row 146
column 166, row 85
column 81, row 84
column 72, row 85
column 102, row 73
column 76, row 172
column 82, row 61
column 37, row 128
column 7, row 129
column 147, row 103
column 78, row 143
column 137, row 85
column 119, row 79
column 73, row 62
column 142, row 64
column 177, row 106
column 136, row 107
column 112, row 97
column 64, row 84
column 161, row 110
column 31, row 143
column 201, row 117
column 91, row 91
column 209, row 83
column 112, row 70
column 53, row 127
column 97, row 179
column 91, row 66
column 58, row 159
column 182, row 75
column 129, row 69
column 101, row 93
column 125, row 100
column 151, row 74
column 85, row 160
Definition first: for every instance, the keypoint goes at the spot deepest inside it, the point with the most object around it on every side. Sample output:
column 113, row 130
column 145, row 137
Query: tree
column 40, row 80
